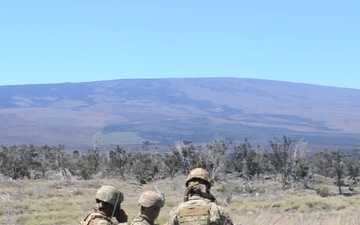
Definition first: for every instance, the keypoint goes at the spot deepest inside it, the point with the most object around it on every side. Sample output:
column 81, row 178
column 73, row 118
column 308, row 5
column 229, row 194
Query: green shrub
column 322, row 191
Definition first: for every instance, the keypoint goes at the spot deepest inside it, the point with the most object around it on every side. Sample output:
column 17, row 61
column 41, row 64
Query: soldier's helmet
column 110, row 195
column 198, row 173
column 151, row 198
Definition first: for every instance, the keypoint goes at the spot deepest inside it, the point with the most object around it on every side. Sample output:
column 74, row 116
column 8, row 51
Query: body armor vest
column 195, row 212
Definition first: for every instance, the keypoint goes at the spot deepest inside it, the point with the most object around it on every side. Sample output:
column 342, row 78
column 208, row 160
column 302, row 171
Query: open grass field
column 43, row 202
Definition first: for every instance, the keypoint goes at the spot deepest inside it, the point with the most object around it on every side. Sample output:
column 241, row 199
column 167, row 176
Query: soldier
column 150, row 204
column 108, row 200
column 199, row 206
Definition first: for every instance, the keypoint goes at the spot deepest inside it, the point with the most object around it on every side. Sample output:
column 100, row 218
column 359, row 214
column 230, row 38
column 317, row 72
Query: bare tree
column 118, row 160
column 321, row 162
column 246, row 159
column 156, row 158
column 188, row 155
column 15, row 161
column 215, row 156
column 94, row 153
column 339, row 168
column 299, row 162
column 172, row 164
column 140, row 164
column 282, row 157
column 44, row 159
column 353, row 168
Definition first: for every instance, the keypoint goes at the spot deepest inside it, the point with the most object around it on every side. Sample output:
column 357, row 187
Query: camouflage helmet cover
column 198, row 173
column 151, row 198
column 110, row 195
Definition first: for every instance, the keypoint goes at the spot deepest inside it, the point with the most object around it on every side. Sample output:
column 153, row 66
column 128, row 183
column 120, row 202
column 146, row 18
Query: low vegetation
column 285, row 184
column 31, row 202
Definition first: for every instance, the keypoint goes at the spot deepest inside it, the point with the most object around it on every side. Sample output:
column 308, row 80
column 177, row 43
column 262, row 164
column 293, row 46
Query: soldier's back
column 199, row 211
column 140, row 220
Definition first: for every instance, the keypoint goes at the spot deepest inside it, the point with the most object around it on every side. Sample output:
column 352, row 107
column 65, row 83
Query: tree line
column 285, row 159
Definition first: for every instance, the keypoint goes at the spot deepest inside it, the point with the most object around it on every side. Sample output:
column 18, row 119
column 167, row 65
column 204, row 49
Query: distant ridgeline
column 167, row 111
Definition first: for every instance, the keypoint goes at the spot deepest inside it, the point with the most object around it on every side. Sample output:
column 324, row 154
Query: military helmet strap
column 115, row 206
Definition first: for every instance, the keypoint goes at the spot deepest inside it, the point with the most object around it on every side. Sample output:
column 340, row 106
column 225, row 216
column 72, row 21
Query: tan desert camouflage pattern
column 151, row 198
column 142, row 220
column 199, row 211
column 96, row 217
column 198, row 173
column 110, row 195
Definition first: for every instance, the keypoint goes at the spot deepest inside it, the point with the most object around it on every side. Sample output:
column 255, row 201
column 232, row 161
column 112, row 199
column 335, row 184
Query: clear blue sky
column 55, row 41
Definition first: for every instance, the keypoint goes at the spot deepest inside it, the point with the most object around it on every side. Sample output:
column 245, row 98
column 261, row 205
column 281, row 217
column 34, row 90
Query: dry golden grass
column 66, row 202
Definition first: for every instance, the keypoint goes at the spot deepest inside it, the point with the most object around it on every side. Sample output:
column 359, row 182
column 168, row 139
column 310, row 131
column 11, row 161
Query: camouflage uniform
column 106, row 194
column 147, row 200
column 142, row 219
column 96, row 217
column 199, row 206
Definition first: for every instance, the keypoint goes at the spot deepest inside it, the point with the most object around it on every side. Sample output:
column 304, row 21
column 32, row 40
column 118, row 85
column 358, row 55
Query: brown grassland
column 31, row 202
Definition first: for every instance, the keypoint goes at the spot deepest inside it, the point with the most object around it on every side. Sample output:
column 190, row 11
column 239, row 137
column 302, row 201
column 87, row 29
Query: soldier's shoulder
column 219, row 209
column 99, row 221
column 139, row 221
column 216, row 206
column 136, row 223
column 175, row 209
column 93, row 218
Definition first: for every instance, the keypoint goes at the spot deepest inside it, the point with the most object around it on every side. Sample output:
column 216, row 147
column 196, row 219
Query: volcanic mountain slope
column 165, row 111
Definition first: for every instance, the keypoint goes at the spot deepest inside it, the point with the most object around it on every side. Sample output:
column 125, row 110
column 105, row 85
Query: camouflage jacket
column 96, row 217
column 142, row 220
column 199, row 211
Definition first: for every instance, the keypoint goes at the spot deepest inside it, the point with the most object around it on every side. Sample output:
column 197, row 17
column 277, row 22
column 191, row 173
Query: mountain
column 165, row 111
